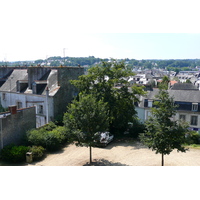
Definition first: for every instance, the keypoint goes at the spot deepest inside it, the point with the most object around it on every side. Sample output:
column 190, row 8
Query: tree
column 162, row 134
column 188, row 81
column 40, row 61
column 109, row 82
column 84, row 119
column 165, row 83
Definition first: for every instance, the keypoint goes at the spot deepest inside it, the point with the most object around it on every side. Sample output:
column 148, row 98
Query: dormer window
column 194, row 106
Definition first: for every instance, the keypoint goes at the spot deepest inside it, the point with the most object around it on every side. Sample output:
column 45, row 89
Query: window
column 19, row 105
column 148, row 114
column 182, row 117
column 4, row 96
column 194, row 120
column 150, row 103
column 194, row 106
column 40, row 111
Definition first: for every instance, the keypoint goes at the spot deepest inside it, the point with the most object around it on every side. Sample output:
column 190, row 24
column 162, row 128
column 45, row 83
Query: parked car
column 104, row 139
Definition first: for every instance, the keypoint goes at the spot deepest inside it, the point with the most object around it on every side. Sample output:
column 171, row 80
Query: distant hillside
column 170, row 65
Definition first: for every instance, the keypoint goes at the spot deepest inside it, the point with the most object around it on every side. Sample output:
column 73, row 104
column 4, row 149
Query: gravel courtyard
column 118, row 154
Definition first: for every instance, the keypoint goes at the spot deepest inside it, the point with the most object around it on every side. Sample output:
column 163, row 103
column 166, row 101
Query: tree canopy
column 163, row 134
column 165, row 83
column 171, row 65
column 84, row 119
column 109, row 82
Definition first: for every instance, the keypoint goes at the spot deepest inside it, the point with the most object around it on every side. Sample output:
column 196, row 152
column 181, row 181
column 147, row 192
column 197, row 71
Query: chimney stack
column 47, row 105
column 13, row 109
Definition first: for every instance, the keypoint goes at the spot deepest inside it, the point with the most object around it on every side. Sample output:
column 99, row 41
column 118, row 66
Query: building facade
column 48, row 89
column 188, row 106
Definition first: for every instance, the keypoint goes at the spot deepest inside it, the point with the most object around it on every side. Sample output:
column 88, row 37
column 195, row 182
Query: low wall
column 15, row 126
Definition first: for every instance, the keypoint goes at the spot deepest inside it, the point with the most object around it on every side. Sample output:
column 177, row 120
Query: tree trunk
column 162, row 159
column 90, row 155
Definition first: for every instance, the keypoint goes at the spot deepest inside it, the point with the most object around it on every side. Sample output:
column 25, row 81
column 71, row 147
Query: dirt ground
column 118, row 154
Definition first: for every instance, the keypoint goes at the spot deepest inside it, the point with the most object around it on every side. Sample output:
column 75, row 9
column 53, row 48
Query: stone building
column 48, row 89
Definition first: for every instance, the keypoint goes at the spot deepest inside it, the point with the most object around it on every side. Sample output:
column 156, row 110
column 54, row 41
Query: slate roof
column 178, row 95
column 185, row 95
column 22, row 75
column 151, row 94
column 52, row 85
column 10, row 84
column 184, row 86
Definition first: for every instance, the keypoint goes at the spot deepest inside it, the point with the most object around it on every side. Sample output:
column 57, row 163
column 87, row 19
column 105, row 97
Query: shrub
column 37, row 152
column 49, row 139
column 193, row 137
column 55, row 138
column 49, row 127
column 136, row 129
column 13, row 153
column 36, row 137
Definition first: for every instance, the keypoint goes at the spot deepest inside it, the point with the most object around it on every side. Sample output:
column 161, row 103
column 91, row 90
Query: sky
column 142, row 29
column 138, row 29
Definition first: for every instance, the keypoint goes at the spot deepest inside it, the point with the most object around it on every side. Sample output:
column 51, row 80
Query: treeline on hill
column 57, row 61
column 170, row 65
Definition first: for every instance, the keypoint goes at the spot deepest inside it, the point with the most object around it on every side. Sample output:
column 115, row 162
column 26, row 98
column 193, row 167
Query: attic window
column 194, row 106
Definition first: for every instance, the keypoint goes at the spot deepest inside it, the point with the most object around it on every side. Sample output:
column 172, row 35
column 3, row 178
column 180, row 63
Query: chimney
column 13, row 109
column 47, row 105
column 47, row 91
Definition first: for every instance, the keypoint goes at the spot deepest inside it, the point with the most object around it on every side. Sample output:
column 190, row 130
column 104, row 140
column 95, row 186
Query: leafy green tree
column 55, row 63
column 165, row 82
column 188, row 81
column 84, row 119
column 109, row 81
column 162, row 134
column 40, row 61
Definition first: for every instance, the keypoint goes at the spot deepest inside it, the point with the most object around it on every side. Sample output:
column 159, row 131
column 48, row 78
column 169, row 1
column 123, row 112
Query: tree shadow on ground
column 103, row 162
column 138, row 145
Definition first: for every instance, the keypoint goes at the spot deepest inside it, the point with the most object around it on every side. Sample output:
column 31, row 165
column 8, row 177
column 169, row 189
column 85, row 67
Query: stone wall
column 15, row 126
column 67, row 91
column 36, row 73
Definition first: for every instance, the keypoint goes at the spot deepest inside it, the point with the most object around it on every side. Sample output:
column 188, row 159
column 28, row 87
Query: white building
column 46, row 88
column 188, row 109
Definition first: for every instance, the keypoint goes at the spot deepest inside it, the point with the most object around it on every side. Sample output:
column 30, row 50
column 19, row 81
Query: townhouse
column 48, row 89
column 186, row 97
